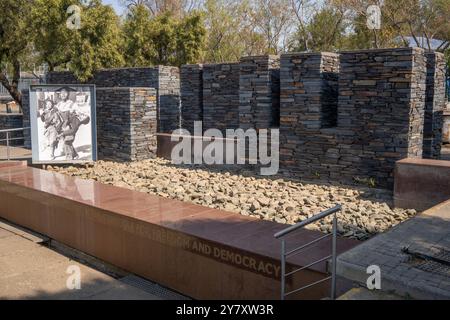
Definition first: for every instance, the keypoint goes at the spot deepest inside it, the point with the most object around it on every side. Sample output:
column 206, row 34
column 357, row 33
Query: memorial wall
column 191, row 83
column 380, row 111
column 126, row 123
column 165, row 79
column 342, row 116
column 259, row 92
column 435, row 105
column 375, row 119
column 308, row 99
column 220, row 96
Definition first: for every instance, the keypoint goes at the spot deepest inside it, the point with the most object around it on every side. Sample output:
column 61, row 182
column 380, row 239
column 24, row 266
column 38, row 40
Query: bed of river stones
column 366, row 211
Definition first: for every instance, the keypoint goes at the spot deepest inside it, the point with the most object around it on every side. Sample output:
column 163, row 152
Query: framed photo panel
column 63, row 123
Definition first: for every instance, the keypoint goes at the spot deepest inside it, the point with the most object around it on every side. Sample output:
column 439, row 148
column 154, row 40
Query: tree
column 191, row 38
column 231, row 31
column 443, row 23
column 359, row 35
column 402, row 20
column 274, row 20
column 177, row 8
column 95, row 45
column 14, row 43
column 313, row 37
column 303, row 10
column 164, row 39
column 220, row 26
column 138, row 49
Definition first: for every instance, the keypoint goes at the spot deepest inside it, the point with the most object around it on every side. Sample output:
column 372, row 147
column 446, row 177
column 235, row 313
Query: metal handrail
column 285, row 254
column 12, row 139
column 14, row 129
column 310, row 220
column 8, row 139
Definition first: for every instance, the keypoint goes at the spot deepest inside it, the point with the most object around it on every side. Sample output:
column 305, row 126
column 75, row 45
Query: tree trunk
column 13, row 85
column 375, row 39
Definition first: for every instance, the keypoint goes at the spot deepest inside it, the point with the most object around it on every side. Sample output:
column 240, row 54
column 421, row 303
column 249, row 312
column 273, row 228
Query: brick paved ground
column 428, row 233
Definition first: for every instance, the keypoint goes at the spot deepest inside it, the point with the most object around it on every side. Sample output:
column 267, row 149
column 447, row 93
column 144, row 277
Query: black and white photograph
column 62, row 123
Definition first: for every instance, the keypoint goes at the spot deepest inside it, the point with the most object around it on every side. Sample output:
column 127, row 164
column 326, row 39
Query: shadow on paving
column 413, row 257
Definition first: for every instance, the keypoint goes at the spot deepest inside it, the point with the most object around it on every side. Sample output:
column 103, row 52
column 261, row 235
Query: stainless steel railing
column 9, row 139
column 285, row 254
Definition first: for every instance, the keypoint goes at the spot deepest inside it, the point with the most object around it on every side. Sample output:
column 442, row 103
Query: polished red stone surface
column 421, row 183
column 225, row 227
column 4, row 164
column 425, row 162
column 163, row 239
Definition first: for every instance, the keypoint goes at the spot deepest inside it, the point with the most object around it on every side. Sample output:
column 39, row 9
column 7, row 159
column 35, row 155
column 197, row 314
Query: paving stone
column 400, row 272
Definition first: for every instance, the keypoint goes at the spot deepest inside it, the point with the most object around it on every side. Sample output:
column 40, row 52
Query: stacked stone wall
column 191, row 79
column 169, row 104
column 307, row 148
column 379, row 114
column 116, row 77
column 342, row 117
column 126, row 123
column 221, row 96
column 435, row 105
column 258, row 92
column 380, row 110
column 165, row 79
column 26, row 118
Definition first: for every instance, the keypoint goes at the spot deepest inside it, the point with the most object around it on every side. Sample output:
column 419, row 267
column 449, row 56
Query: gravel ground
column 365, row 211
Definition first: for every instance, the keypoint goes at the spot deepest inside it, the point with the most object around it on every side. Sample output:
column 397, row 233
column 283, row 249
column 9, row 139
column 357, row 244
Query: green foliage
column 164, row 39
column 15, row 44
column 231, row 31
column 169, row 32
column 95, row 45
column 325, row 32
column 98, row 42
column 138, row 50
column 191, row 38
column 51, row 36
column 370, row 182
column 14, row 30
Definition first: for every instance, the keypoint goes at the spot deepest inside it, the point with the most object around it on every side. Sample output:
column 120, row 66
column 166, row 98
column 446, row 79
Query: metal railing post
column 283, row 268
column 280, row 234
column 334, row 258
column 7, row 145
column 10, row 138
